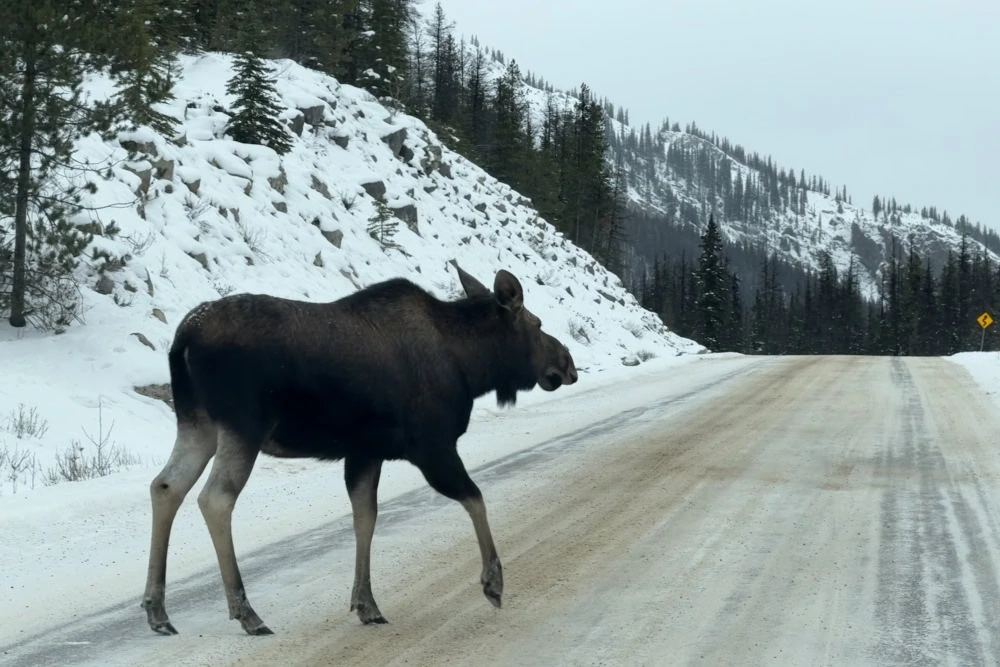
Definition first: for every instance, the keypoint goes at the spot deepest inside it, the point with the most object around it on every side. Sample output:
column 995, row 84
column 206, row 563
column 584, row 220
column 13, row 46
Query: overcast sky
column 894, row 97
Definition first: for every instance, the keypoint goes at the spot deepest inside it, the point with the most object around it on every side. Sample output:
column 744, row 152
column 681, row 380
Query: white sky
column 894, row 97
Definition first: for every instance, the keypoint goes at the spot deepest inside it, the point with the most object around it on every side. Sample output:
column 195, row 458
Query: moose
column 389, row 372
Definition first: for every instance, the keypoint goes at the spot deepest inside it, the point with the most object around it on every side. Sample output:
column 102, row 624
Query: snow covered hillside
column 186, row 220
column 845, row 231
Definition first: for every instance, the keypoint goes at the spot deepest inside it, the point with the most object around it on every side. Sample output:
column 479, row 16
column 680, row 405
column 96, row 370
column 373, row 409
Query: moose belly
column 327, row 437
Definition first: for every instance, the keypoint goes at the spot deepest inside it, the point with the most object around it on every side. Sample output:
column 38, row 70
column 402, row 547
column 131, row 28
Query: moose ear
column 508, row 291
column 471, row 286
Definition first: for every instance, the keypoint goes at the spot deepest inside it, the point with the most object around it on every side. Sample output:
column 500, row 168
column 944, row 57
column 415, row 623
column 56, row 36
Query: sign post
column 984, row 321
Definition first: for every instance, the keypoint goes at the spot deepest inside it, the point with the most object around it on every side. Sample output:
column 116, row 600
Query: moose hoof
column 252, row 624
column 156, row 616
column 493, row 583
column 369, row 614
column 493, row 597
column 163, row 628
column 256, row 628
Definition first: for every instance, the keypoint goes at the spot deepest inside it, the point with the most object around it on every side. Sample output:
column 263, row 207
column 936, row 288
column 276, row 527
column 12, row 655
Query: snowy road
column 782, row 511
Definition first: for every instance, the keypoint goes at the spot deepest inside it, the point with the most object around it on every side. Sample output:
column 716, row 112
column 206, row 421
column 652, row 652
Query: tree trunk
column 17, row 297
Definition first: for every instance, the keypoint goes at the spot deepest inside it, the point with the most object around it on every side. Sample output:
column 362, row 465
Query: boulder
column 313, row 115
column 395, row 141
column 375, row 189
column 431, row 159
column 407, row 214
column 335, row 237
column 297, row 124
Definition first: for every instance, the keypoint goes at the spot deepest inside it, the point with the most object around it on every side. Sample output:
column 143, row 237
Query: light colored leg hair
column 234, row 461
column 446, row 473
column 364, row 504
column 492, row 576
column 194, row 446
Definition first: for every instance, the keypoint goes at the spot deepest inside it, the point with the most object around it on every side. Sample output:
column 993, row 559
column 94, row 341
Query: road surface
column 801, row 511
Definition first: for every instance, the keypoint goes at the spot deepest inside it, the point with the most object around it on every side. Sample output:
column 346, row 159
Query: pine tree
column 734, row 321
column 712, row 287
column 256, row 119
column 378, row 48
column 325, row 37
column 383, row 225
column 444, row 63
column 148, row 35
column 509, row 141
column 48, row 46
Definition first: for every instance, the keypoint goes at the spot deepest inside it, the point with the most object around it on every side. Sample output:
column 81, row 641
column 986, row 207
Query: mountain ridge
column 848, row 231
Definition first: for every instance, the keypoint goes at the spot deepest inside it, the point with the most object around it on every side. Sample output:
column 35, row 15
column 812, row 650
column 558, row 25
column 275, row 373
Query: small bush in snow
column 139, row 244
column 348, row 199
column 18, row 467
column 123, row 301
column 578, row 332
column 76, row 463
column 224, row 289
column 636, row 330
column 645, row 355
column 252, row 236
column 25, row 423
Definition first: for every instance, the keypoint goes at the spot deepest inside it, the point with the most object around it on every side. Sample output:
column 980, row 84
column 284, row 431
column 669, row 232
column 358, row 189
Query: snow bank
column 984, row 367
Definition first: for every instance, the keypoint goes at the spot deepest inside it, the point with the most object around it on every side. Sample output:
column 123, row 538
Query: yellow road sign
column 984, row 320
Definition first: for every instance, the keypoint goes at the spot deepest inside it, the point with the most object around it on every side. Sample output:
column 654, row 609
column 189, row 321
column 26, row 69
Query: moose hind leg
column 195, row 445
column 361, row 477
column 446, row 474
column 234, row 461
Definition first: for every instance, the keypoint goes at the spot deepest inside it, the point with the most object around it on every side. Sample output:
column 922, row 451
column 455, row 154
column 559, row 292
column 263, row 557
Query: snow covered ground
column 75, row 547
column 984, row 367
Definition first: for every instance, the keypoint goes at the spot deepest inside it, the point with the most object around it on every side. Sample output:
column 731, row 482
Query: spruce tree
column 712, row 287
column 444, row 63
column 148, row 39
column 256, row 119
column 382, row 226
column 377, row 51
column 48, row 47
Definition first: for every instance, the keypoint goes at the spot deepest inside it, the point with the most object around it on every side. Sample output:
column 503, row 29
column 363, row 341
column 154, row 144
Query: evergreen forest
column 581, row 171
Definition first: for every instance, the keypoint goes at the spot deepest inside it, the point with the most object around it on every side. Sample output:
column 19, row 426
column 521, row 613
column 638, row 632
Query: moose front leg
column 446, row 474
column 492, row 576
column 361, row 477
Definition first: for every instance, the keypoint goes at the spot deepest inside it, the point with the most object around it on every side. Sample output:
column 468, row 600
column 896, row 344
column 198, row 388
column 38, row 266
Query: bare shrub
column 139, row 244
column 196, row 208
column 76, row 463
column 252, row 236
column 25, row 423
column 645, row 355
column 18, row 467
column 122, row 300
column 348, row 199
column 578, row 332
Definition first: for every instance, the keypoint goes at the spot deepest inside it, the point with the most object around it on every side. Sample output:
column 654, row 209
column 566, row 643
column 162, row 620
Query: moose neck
column 482, row 348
